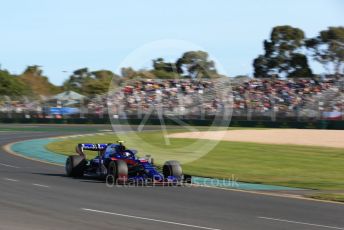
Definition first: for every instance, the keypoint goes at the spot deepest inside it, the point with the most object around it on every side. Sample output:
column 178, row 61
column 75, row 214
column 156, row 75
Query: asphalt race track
column 36, row 195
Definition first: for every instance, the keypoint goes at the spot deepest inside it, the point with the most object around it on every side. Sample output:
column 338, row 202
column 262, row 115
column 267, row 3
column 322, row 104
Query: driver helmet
column 126, row 153
column 121, row 146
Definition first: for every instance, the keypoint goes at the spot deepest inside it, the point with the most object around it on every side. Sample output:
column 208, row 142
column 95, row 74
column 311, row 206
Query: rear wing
column 92, row 147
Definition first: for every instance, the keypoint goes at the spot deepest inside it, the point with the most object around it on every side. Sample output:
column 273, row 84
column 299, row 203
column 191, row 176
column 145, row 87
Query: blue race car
column 118, row 164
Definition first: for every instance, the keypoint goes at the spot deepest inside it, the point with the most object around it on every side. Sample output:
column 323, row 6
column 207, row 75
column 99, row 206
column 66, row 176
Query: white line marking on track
column 41, row 185
column 9, row 179
column 149, row 219
column 11, row 166
column 298, row 222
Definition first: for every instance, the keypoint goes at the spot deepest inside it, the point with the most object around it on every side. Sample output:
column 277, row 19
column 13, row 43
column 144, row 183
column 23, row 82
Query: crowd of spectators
column 20, row 105
column 201, row 98
column 308, row 97
column 170, row 97
column 253, row 97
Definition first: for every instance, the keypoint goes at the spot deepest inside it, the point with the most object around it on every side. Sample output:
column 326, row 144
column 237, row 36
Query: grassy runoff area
column 286, row 165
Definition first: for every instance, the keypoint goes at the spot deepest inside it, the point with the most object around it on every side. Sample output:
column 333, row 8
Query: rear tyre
column 75, row 166
column 172, row 168
column 117, row 172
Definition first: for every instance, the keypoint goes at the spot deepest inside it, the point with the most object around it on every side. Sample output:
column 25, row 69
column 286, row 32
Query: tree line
column 287, row 54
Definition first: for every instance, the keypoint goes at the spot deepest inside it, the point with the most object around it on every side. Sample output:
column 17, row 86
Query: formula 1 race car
column 118, row 164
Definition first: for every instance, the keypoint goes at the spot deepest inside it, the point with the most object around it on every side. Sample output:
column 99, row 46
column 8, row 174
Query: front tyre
column 118, row 171
column 172, row 168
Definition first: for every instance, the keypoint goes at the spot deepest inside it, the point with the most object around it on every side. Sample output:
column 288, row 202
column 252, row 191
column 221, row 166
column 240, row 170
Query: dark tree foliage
column 328, row 49
column 77, row 80
column 160, row 64
column 91, row 83
column 36, row 84
column 283, row 55
column 196, row 64
column 192, row 64
column 128, row 73
column 164, row 70
column 10, row 85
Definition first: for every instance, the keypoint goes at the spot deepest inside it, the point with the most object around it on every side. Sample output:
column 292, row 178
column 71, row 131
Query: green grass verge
column 285, row 165
column 329, row 196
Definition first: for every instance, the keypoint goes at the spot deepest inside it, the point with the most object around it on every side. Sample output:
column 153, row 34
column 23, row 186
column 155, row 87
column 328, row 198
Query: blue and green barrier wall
column 319, row 124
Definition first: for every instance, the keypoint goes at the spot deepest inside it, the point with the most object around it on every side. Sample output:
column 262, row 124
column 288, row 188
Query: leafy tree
column 128, row 73
column 77, row 80
column 160, row 64
column 195, row 64
column 95, row 87
column 164, row 70
column 91, row 83
column 262, row 66
column 33, row 70
column 104, row 75
column 36, row 83
column 10, row 85
column 299, row 66
column 162, row 74
column 328, row 49
column 99, row 82
column 145, row 74
column 283, row 55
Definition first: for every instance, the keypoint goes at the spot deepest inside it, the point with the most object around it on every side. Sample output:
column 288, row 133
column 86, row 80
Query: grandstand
column 249, row 99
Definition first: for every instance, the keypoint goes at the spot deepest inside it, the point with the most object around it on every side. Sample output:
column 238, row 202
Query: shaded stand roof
column 68, row 96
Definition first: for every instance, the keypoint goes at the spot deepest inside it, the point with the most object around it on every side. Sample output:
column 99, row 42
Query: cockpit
column 118, row 151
